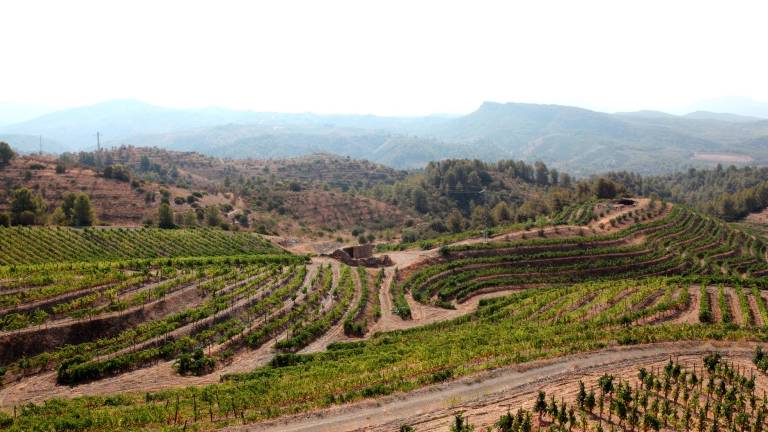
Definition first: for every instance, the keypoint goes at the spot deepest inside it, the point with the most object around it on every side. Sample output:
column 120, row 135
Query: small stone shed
column 361, row 255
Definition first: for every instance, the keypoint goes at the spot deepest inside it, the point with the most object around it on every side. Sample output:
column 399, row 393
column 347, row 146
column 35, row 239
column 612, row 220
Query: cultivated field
column 224, row 339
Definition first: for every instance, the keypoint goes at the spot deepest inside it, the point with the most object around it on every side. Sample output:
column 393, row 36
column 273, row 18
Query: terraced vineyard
column 262, row 336
column 699, row 393
column 681, row 242
column 92, row 321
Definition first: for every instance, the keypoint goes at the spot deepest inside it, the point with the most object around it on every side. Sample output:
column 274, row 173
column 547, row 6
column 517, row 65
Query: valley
column 357, row 216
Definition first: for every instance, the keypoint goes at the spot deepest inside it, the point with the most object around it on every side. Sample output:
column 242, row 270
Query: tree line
column 730, row 193
column 456, row 194
column 30, row 208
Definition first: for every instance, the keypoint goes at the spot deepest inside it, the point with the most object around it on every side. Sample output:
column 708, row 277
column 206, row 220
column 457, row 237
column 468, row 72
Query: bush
column 288, row 359
column 6, row 153
column 60, row 168
column 196, row 363
column 5, row 420
column 117, row 172
column 409, row 236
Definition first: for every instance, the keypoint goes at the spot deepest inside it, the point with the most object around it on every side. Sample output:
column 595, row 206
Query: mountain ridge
column 574, row 139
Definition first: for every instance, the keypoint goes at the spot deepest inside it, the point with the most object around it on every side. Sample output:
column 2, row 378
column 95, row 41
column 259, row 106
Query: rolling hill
column 576, row 140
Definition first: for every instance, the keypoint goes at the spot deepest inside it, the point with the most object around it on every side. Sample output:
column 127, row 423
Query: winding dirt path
column 487, row 395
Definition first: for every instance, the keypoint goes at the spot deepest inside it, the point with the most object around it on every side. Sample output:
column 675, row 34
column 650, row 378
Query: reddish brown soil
column 339, row 210
column 115, row 202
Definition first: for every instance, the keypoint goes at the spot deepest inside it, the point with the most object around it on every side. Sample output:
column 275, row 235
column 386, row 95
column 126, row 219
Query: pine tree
column 165, row 216
column 82, row 213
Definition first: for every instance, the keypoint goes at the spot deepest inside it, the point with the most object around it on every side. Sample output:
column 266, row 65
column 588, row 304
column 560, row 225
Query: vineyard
column 692, row 393
column 225, row 330
column 26, row 245
column 651, row 243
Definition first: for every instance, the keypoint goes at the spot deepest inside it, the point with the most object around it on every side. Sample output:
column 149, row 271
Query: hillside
column 584, row 142
column 519, row 302
column 727, row 117
column 115, row 202
column 198, row 169
column 573, row 139
column 576, row 140
column 263, row 142
column 310, row 196
column 120, row 120
column 23, row 246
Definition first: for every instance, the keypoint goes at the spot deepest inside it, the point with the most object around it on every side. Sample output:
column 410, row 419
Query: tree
column 455, row 221
column 554, row 176
column 59, row 218
column 5, row 220
column 481, row 217
column 565, row 180
column 68, row 206
column 212, row 216
column 165, row 216
column 27, row 208
column 190, row 218
column 6, row 153
column 502, row 213
column 144, row 164
column 82, row 211
column 605, row 188
column 542, row 173
column 420, row 200
column 728, row 208
column 117, row 172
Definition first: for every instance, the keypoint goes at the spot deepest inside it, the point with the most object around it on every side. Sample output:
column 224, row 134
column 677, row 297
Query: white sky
column 382, row 57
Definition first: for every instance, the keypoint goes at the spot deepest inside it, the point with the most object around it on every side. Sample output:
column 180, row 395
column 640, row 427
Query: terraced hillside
column 649, row 243
column 271, row 336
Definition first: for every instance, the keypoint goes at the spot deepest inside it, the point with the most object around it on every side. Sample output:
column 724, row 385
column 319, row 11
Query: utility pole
column 41, row 145
column 98, row 141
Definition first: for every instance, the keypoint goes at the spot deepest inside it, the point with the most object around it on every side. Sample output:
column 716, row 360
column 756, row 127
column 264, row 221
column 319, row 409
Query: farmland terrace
column 162, row 340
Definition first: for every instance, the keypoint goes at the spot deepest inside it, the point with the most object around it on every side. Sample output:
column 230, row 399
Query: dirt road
column 487, row 395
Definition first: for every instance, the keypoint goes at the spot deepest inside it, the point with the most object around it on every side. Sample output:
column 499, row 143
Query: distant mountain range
column 733, row 104
column 576, row 140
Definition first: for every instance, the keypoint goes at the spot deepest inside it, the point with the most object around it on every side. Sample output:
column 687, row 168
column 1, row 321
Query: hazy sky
column 382, row 57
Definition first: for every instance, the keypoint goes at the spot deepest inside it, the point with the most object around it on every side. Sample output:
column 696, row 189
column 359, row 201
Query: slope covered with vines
column 33, row 245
